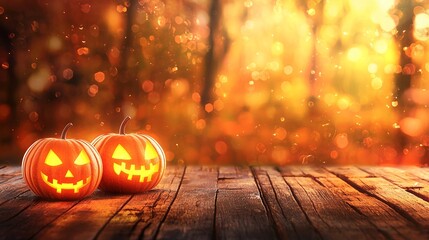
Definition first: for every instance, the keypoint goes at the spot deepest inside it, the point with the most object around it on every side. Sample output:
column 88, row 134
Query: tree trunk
column 404, row 39
column 124, row 82
column 214, row 55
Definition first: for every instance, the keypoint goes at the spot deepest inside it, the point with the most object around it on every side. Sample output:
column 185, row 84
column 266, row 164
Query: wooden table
column 208, row 202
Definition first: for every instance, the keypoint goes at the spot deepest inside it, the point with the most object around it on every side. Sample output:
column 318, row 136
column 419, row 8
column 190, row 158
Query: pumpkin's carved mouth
column 66, row 186
column 142, row 173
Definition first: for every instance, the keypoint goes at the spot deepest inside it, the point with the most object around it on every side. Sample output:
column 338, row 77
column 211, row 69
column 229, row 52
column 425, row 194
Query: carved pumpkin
column 132, row 162
column 62, row 169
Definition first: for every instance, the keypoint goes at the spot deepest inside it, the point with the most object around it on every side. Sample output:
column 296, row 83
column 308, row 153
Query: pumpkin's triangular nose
column 69, row 174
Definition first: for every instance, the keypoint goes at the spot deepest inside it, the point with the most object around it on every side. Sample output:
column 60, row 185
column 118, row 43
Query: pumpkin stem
column 122, row 127
column 66, row 128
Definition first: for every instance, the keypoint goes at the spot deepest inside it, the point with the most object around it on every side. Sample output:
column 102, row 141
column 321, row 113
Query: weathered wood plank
column 14, row 204
column 191, row 216
column 378, row 213
column 9, row 190
column 9, row 172
column 330, row 215
column 300, row 202
column 397, row 176
column 31, row 214
column 142, row 215
column 404, row 179
column 84, row 220
column 421, row 172
column 240, row 212
column 12, row 190
column 291, row 171
column 349, row 171
column 289, row 220
column 384, row 218
column 407, row 204
column 308, row 171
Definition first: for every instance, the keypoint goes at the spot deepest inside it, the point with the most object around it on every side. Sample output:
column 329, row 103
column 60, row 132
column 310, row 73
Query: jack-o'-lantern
column 62, row 169
column 132, row 162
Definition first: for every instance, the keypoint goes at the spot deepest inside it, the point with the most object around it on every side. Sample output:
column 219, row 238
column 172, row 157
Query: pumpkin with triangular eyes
column 132, row 163
column 62, row 169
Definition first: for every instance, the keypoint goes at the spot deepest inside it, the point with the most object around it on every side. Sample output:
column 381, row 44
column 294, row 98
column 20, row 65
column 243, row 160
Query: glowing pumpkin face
column 63, row 178
column 62, row 169
column 132, row 162
column 132, row 171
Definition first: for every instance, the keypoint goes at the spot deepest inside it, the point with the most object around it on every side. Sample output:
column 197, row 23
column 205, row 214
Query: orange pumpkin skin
column 62, row 169
column 132, row 163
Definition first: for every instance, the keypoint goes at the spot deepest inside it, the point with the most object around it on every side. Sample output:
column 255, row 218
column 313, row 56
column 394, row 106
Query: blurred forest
column 221, row 82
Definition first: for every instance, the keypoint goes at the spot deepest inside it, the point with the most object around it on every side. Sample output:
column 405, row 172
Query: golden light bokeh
column 282, row 82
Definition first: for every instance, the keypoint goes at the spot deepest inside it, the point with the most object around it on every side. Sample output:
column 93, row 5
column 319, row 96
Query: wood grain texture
column 240, row 212
column 36, row 215
column 407, row 204
column 191, row 215
column 84, row 220
column 404, row 179
column 12, row 192
column 290, row 220
column 422, row 173
column 330, row 215
column 383, row 217
column 231, row 202
column 141, row 216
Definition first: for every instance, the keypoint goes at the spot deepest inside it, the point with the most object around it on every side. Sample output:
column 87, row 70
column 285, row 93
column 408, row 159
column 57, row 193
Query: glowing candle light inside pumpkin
column 62, row 169
column 132, row 162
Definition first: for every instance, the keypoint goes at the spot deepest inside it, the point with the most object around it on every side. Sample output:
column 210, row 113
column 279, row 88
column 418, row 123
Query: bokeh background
column 221, row 81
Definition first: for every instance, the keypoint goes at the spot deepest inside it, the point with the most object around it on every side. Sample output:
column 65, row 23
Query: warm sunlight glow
column 229, row 82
